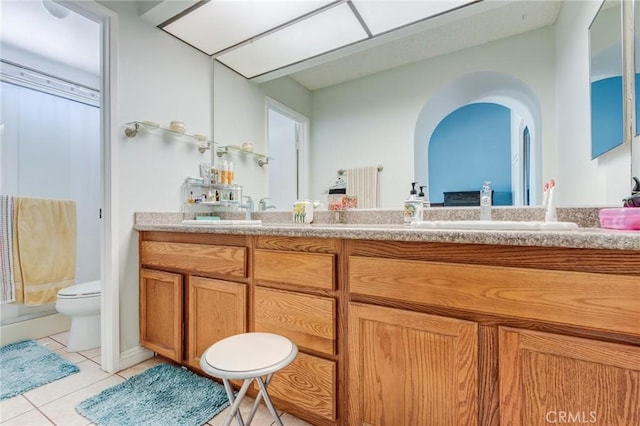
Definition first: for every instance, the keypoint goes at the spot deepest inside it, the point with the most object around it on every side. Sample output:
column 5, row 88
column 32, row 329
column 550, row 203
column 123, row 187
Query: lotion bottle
column 485, row 201
column 413, row 206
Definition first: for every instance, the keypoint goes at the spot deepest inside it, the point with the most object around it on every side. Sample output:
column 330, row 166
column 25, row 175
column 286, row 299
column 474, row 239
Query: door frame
column 109, row 270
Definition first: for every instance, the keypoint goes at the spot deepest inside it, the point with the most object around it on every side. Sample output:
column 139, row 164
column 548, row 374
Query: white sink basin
column 496, row 225
column 222, row 222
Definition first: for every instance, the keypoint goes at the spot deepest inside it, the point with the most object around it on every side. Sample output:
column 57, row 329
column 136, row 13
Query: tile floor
column 53, row 404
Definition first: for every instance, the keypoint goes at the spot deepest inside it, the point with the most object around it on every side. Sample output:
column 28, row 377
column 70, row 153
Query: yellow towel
column 44, row 256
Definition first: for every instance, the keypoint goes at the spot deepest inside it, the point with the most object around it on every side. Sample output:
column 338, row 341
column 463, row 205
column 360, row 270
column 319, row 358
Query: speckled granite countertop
column 386, row 225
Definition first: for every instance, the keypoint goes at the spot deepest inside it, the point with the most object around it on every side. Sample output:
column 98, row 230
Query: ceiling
column 255, row 37
column 468, row 24
column 72, row 40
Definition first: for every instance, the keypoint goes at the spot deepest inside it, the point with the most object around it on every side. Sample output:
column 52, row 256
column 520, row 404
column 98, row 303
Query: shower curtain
column 50, row 148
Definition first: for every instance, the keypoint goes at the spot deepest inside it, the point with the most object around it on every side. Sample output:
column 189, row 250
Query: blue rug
column 162, row 395
column 26, row 365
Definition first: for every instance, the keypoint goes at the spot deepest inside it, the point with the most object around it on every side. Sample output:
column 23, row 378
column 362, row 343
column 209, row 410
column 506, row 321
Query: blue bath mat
column 162, row 395
column 26, row 365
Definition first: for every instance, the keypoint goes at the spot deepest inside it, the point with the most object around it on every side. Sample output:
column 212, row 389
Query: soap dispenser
column 412, row 206
column 425, row 201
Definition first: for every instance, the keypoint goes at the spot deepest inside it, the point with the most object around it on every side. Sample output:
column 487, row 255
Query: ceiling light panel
column 320, row 33
column 382, row 16
column 220, row 24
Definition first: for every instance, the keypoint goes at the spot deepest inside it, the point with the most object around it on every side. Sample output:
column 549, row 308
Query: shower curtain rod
column 31, row 78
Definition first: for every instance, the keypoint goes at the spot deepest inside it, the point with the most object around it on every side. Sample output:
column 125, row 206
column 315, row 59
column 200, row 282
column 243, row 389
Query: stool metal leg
column 235, row 402
column 257, row 400
column 267, row 400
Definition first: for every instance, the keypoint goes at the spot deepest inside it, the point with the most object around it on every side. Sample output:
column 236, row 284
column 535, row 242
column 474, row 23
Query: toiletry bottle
column 425, row 201
column 412, row 206
column 485, row 201
column 224, row 173
column 550, row 214
column 214, row 174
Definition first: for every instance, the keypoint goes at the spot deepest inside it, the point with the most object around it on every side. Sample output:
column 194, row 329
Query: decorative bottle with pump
column 485, row 201
column 413, row 206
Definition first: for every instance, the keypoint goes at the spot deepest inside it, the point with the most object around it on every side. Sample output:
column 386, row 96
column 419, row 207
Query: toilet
column 81, row 302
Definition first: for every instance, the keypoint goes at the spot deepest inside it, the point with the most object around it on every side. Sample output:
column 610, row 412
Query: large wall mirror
column 403, row 100
column 605, row 45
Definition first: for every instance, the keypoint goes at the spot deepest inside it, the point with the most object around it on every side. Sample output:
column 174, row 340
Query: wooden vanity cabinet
column 398, row 332
column 552, row 335
column 193, row 292
column 295, row 296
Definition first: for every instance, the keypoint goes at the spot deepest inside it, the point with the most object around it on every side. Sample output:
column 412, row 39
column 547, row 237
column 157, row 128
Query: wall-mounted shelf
column 197, row 193
column 134, row 127
column 261, row 158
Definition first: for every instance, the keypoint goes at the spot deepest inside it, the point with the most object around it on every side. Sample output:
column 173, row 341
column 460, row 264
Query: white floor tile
column 139, row 368
column 89, row 373
column 289, row 420
column 62, row 411
column 261, row 418
column 13, row 407
column 30, row 418
column 73, row 357
column 91, row 353
column 62, row 338
column 50, row 344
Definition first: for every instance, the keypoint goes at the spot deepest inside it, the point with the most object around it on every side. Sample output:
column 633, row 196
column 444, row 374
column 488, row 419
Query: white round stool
column 248, row 356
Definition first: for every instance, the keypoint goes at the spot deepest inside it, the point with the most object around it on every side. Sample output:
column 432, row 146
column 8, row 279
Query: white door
column 287, row 135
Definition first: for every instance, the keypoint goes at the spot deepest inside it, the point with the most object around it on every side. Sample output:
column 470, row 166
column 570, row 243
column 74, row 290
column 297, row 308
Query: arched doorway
column 492, row 88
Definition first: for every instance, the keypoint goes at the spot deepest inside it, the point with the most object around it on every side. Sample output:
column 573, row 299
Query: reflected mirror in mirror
column 605, row 44
column 636, row 46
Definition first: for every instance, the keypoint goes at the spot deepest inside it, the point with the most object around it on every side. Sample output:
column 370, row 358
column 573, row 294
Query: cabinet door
column 409, row 368
column 161, row 313
column 215, row 309
column 547, row 378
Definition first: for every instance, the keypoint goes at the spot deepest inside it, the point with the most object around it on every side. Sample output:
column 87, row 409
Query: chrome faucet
column 262, row 204
column 248, row 206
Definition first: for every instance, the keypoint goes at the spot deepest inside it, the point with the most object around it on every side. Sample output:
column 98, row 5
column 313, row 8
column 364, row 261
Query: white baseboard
column 133, row 356
column 36, row 328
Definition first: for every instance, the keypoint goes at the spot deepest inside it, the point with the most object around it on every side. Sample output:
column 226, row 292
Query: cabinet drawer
column 195, row 258
column 309, row 384
column 307, row 320
column 597, row 301
column 315, row 270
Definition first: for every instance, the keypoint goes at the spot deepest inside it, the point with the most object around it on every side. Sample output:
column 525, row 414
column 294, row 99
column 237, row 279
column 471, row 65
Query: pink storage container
column 620, row 218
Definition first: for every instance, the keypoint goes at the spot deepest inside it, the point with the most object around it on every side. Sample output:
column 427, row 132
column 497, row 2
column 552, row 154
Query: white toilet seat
column 78, row 291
